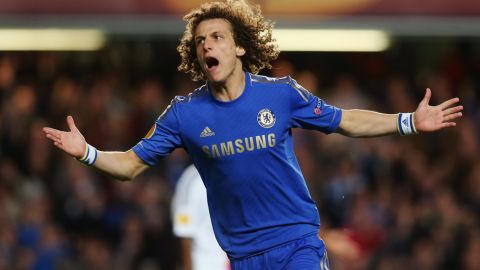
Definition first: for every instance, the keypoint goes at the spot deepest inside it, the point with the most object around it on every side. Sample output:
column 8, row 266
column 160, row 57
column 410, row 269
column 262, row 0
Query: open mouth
column 211, row 62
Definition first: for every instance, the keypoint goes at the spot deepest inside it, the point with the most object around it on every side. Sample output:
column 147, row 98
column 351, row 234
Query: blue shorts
column 307, row 253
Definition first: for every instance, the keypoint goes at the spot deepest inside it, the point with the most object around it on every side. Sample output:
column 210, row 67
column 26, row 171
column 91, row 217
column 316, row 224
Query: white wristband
column 405, row 124
column 90, row 155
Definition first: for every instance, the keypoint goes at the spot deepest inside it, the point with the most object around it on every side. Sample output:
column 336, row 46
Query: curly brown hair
column 251, row 31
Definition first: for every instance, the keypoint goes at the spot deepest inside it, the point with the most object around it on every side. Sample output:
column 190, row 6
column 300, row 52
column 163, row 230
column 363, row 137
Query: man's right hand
column 120, row 165
column 71, row 142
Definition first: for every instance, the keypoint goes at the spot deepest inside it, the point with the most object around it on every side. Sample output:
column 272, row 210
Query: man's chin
column 215, row 78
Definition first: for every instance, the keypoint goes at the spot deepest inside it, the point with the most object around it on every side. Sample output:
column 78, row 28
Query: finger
column 448, row 103
column 426, row 98
column 71, row 123
column 452, row 116
column 59, row 145
column 448, row 124
column 452, row 110
column 52, row 131
column 53, row 138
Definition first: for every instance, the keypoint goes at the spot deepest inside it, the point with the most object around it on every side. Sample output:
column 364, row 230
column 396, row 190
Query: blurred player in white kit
column 191, row 222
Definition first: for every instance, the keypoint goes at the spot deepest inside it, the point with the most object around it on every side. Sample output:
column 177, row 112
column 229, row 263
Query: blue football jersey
column 257, row 195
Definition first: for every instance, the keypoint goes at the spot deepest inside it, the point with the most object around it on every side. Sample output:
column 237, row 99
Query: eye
column 199, row 41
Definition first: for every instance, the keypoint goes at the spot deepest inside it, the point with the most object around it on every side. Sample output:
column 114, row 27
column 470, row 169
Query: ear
column 240, row 51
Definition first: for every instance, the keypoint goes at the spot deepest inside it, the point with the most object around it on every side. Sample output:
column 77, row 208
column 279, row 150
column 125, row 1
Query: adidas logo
column 207, row 132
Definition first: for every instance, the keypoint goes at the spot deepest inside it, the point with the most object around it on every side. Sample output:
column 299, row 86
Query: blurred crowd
column 407, row 202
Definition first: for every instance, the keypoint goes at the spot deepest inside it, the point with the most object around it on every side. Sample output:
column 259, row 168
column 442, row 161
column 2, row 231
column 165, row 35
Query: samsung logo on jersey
column 238, row 146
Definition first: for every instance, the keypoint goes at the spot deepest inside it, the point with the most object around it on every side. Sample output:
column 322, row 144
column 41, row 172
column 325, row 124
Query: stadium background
column 410, row 203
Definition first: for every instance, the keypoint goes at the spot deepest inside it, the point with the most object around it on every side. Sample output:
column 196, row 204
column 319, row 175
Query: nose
column 207, row 44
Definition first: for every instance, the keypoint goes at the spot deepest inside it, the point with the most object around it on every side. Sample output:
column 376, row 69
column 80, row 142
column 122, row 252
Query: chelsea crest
column 266, row 118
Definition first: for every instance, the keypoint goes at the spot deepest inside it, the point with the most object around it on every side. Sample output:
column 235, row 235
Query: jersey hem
column 271, row 248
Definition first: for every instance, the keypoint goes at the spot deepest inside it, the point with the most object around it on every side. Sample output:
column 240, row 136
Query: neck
column 231, row 88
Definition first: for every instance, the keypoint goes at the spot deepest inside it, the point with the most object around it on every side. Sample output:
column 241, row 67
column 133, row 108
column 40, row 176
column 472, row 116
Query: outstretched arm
column 426, row 118
column 121, row 165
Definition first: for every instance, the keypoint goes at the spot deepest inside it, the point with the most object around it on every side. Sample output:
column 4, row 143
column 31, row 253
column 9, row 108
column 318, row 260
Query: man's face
column 217, row 53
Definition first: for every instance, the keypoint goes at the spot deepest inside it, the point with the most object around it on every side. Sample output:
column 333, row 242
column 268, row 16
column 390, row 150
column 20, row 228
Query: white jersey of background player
column 191, row 222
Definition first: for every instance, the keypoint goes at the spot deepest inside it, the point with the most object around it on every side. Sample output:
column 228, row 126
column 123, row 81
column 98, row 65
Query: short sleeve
column 162, row 139
column 311, row 112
